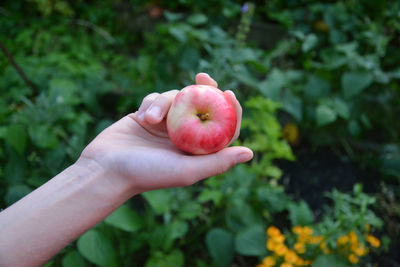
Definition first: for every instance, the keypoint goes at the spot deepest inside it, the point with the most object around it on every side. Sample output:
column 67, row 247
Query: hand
column 137, row 150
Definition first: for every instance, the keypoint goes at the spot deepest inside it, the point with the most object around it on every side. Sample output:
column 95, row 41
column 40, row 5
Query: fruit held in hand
column 201, row 120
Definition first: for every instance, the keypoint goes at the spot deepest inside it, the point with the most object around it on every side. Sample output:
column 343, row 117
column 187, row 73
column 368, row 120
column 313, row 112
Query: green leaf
column 190, row 210
column 43, row 136
column 220, row 245
column 97, row 249
column 341, row 108
column 172, row 16
column 273, row 198
column 329, row 261
column 316, row 88
column 73, row 259
column 271, row 87
column 293, row 105
column 15, row 193
column 310, row 41
column 159, row 259
column 197, row 19
column 210, row 195
column 355, row 82
column 16, row 136
column 178, row 229
column 251, row 241
column 179, row 32
column 240, row 216
column 300, row 214
column 325, row 115
column 160, row 200
column 125, row 219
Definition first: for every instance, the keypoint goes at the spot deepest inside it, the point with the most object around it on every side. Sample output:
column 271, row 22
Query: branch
column 19, row 69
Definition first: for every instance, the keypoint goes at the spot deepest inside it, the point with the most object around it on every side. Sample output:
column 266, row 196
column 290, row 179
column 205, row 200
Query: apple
column 201, row 120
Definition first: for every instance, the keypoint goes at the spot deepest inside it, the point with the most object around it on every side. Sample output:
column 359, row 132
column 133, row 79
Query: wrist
column 109, row 186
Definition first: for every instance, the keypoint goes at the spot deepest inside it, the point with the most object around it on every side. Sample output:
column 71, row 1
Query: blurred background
column 318, row 81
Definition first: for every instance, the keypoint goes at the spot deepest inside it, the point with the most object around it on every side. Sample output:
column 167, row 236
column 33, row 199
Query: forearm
column 41, row 224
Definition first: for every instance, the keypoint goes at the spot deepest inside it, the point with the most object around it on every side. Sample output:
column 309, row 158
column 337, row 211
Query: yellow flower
column 297, row 229
column 299, row 248
column 374, row 241
column 278, row 238
column 342, row 240
column 360, row 251
column 290, row 133
column 290, row 256
column 280, row 249
column 299, row 262
column 353, row 237
column 268, row 261
column 286, row 264
column 315, row 239
column 353, row 258
column 273, row 231
column 271, row 244
column 324, row 248
column 307, row 230
column 308, row 262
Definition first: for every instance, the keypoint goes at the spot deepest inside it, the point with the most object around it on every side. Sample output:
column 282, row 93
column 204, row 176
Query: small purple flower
column 245, row 8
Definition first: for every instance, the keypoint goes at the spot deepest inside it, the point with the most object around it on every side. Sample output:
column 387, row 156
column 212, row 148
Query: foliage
column 341, row 238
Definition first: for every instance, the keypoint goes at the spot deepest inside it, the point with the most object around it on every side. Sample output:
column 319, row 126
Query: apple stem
column 204, row 117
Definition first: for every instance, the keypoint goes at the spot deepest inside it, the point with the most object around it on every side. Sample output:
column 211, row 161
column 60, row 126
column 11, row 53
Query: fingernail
column 243, row 157
column 155, row 112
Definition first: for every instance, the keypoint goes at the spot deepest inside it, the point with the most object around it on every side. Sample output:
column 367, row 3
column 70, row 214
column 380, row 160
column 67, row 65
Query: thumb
column 204, row 166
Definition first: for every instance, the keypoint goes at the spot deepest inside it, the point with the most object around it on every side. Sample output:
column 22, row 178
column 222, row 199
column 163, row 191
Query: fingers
column 155, row 106
column 204, row 166
column 205, row 79
column 238, row 109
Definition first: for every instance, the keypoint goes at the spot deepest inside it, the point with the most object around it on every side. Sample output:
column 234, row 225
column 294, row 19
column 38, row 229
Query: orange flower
column 297, row 229
column 307, row 230
column 324, row 248
column 278, row 238
column 286, row 264
column 315, row 239
column 374, row 241
column 353, row 258
column 308, row 262
column 268, row 261
column 299, row 248
column 353, row 237
column 342, row 240
column 360, row 251
column 271, row 244
column 300, row 262
column 280, row 249
column 291, row 256
column 273, row 231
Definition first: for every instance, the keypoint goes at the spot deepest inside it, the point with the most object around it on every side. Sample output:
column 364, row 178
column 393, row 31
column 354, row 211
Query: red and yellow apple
column 201, row 120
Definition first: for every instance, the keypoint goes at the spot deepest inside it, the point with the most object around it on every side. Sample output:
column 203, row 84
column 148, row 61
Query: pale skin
column 131, row 156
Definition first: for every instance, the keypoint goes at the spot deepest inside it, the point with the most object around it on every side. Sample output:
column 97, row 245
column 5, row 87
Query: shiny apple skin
column 189, row 132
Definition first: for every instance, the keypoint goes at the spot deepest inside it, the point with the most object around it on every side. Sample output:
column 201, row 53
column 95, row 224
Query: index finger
column 205, row 79
column 238, row 109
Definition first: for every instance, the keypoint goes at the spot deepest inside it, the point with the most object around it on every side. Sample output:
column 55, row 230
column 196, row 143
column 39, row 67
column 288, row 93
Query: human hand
column 137, row 153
